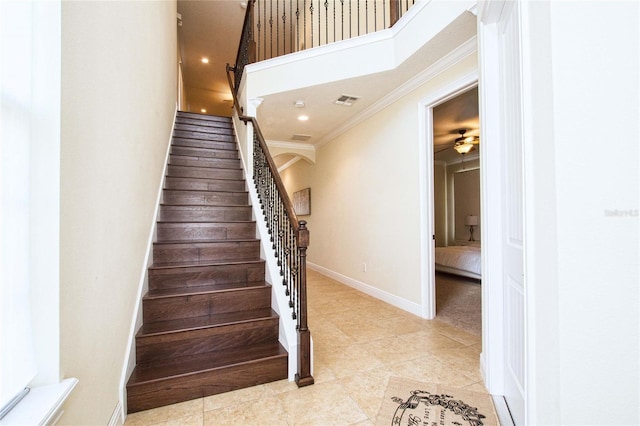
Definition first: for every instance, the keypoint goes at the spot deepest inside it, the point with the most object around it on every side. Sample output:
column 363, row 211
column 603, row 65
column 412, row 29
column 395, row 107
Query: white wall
column 365, row 204
column 581, row 69
column 118, row 101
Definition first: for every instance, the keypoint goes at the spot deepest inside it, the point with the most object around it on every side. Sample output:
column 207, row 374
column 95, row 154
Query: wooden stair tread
column 202, row 263
column 225, row 146
column 206, row 166
column 203, row 289
column 205, row 149
column 210, row 361
column 184, row 324
column 205, row 221
column 209, row 191
column 221, row 204
column 200, row 177
column 200, row 242
column 205, row 117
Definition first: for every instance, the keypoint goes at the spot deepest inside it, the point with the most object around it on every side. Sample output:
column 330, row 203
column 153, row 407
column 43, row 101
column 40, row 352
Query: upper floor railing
column 274, row 28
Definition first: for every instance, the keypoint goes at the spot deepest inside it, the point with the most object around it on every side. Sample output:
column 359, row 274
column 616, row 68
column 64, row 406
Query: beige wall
column 469, row 199
column 118, row 101
column 365, row 196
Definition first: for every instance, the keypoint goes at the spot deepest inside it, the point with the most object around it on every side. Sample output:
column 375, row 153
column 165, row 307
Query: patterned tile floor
column 359, row 343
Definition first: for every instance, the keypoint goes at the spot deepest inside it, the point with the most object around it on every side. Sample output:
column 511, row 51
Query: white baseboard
column 392, row 299
column 117, row 418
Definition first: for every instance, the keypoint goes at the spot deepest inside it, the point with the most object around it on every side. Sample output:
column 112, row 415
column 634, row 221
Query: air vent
column 300, row 138
column 346, row 100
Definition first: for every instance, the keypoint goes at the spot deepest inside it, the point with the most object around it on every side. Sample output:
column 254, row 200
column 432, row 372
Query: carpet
column 458, row 302
column 407, row 402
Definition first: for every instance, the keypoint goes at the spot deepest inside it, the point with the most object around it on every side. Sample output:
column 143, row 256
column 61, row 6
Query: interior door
column 512, row 211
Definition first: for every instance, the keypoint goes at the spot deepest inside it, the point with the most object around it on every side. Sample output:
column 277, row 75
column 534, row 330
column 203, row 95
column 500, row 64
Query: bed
column 459, row 260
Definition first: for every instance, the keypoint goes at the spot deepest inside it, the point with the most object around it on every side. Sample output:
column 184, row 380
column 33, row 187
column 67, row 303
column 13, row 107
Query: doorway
column 430, row 235
column 456, row 208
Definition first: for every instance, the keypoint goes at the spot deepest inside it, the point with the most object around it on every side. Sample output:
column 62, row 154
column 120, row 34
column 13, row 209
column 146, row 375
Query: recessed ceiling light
column 203, row 110
column 303, row 117
column 205, row 60
column 299, row 104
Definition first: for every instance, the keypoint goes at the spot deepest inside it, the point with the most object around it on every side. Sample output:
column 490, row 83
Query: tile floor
column 359, row 343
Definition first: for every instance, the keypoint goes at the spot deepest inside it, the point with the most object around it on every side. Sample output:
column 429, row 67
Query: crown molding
column 460, row 53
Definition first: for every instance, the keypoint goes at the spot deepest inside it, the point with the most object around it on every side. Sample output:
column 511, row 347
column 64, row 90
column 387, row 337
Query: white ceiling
column 211, row 28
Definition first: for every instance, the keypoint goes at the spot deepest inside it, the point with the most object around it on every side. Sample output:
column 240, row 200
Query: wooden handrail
column 291, row 257
column 236, row 104
column 272, row 165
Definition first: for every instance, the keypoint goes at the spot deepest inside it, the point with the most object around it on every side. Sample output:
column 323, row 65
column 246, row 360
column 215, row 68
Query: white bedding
column 463, row 258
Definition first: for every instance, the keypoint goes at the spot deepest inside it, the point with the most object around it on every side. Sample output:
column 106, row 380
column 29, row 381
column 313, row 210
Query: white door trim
column 425, row 152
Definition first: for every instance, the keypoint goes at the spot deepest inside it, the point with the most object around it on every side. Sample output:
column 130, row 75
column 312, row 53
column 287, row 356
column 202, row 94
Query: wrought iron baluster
column 326, row 21
column 271, row 28
column 311, row 20
column 319, row 24
column 358, row 2
column 366, row 14
column 375, row 15
column 334, row 21
column 342, row 19
column 291, row 49
column 297, row 25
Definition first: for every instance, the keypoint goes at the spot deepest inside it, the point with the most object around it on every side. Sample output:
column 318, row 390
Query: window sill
column 42, row 405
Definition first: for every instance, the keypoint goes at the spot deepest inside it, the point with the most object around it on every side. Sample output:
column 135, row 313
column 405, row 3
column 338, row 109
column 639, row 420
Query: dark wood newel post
column 303, row 377
column 252, row 39
column 394, row 12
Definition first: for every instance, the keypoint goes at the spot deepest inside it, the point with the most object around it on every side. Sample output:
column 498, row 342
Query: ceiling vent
column 300, row 138
column 346, row 100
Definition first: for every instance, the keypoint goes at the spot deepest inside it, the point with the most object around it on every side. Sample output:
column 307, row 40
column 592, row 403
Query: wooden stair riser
column 185, row 115
column 217, row 128
column 206, row 383
column 212, row 339
column 204, row 213
column 199, row 305
column 231, row 154
column 223, row 144
column 202, row 251
column 203, row 124
column 213, row 198
column 204, row 172
column 195, row 276
column 180, row 183
column 204, row 136
column 195, row 161
column 186, row 231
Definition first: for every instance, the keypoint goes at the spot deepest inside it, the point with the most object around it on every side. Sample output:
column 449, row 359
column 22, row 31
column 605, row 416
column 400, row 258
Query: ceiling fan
column 463, row 144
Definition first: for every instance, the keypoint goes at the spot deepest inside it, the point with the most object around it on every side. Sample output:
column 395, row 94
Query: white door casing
column 504, row 298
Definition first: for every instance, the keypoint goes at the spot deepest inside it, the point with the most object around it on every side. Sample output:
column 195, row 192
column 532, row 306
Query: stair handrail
column 288, row 242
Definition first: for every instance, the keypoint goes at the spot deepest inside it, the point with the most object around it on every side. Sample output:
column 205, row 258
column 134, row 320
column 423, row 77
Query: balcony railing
column 274, row 28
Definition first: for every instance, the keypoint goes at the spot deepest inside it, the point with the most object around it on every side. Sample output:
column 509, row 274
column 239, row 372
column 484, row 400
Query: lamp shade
column 471, row 220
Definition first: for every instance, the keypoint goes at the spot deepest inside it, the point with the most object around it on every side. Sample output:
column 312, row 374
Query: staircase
column 208, row 326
